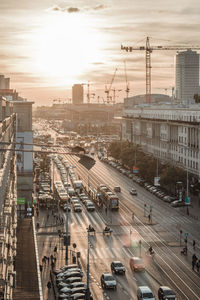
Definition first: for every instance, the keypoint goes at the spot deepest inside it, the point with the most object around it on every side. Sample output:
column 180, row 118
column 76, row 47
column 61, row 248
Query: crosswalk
column 100, row 253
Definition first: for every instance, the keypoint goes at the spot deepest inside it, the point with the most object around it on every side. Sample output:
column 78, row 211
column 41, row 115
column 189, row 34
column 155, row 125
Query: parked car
column 165, row 293
column 178, row 203
column 169, row 199
column 145, row 293
column 136, row 264
column 117, row 189
column 108, row 281
column 133, row 192
column 117, row 267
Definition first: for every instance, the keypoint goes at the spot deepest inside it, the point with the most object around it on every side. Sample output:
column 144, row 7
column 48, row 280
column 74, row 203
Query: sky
column 47, row 46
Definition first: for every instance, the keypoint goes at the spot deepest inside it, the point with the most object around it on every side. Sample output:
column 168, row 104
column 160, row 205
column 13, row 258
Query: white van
column 145, row 293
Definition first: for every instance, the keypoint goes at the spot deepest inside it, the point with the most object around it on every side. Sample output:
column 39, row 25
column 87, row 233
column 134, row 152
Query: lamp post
column 88, row 271
column 67, row 224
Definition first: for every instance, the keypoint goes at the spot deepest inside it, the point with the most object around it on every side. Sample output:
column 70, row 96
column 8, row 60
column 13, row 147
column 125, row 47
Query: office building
column 8, row 199
column 77, row 94
column 187, row 75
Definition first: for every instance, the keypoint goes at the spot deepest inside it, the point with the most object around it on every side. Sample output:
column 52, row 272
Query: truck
column 78, row 186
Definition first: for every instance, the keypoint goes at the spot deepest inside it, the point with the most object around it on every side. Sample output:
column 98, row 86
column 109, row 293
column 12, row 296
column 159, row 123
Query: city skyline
column 46, row 47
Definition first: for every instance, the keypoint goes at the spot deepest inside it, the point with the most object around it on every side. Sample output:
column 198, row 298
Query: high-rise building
column 187, row 75
column 77, row 94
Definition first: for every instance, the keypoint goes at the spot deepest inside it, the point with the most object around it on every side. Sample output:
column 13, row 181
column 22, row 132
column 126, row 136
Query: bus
column 107, row 197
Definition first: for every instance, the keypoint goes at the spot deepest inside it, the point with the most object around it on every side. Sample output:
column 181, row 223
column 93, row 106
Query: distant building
column 77, row 94
column 24, row 137
column 4, row 82
column 187, row 75
column 141, row 99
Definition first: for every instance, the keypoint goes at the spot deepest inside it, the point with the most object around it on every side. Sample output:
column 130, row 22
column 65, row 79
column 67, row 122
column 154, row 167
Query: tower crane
column 148, row 50
column 88, row 91
column 114, row 93
column 107, row 90
column 127, row 90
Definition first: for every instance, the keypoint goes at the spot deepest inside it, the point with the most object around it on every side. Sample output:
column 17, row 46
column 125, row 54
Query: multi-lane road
column 167, row 267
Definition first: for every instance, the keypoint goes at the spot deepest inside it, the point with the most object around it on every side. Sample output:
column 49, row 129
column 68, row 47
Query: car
column 65, row 268
column 67, row 207
column 77, row 208
column 73, row 279
column 117, row 189
column 169, row 199
column 117, row 267
column 90, row 206
column 165, row 293
column 145, row 293
column 67, row 274
column 108, row 281
column 136, row 264
column 178, row 203
column 133, row 192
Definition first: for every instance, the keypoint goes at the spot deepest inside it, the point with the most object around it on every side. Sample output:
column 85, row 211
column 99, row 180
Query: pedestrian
column 193, row 264
column 52, row 265
column 55, row 249
column 43, row 261
column 62, row 221
column 194, row 244
column 49, row 285
column 198, row 265
column 149, row 217
column 194, row 260
column 41, row 268
column 185, row 240
column 51, row 257
column 48, row 259
column 55, row 260
column 37, row 212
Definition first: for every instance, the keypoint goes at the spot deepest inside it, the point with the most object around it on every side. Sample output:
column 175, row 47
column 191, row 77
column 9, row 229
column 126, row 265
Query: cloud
column 99, row 7
column 73, row 9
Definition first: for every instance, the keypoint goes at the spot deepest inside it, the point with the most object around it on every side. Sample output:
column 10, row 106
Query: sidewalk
column 47, row 239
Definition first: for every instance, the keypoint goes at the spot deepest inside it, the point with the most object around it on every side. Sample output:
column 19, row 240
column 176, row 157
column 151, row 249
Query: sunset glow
column 66, row 47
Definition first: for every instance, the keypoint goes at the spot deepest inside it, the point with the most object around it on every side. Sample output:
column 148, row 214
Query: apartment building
column 8, row 199
column 171, row 133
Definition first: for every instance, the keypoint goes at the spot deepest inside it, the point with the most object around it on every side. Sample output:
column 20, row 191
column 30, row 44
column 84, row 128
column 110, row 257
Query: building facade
column 187, row 75
column 8, row 199
column 77, row 94
column 171, row 133
column 24, row 138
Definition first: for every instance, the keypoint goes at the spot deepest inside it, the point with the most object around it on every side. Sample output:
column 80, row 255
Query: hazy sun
column 67, row 45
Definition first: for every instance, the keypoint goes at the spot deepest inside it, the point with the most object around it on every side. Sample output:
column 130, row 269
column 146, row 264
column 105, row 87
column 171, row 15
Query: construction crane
column 88, row 91
column 107, row 90
column 148, row 49
column 114, row 93
column 127, row 90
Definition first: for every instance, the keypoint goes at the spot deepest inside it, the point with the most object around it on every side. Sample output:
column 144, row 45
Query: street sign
column 21, row 201
column 135, row 170
column 187, row 200
column 186, row 234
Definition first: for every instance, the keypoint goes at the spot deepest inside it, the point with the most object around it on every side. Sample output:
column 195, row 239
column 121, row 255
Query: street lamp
column 88, row 271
